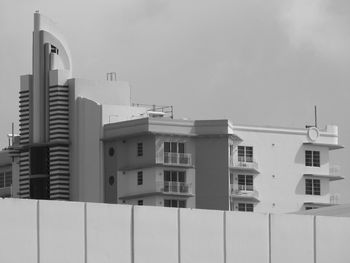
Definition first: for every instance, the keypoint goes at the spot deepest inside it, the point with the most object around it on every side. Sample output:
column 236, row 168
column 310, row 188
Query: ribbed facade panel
column 59, row 172
column 24, row 117
column 24, row 120
column 24, row 174
column 59, row 131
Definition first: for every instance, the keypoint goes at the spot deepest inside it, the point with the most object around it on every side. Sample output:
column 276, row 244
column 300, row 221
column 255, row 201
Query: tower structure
column 44, row 117
column 61, row 122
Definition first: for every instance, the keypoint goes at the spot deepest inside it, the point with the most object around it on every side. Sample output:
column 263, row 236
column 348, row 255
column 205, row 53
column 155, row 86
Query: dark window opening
column 139, row 178
column 40, row 188
column 139, row 149
column 39, row 160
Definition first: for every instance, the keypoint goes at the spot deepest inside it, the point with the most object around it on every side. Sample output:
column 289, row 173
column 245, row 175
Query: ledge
column 326, row 176
column 329, row 145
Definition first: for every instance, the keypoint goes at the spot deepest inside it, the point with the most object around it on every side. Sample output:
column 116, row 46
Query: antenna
column 315, row 116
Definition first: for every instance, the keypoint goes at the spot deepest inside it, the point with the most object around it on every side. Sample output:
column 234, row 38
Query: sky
column 254, row 62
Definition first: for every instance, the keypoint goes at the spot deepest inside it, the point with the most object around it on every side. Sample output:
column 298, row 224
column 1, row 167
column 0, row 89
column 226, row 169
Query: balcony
column 244, row 163
column 333, row 175
column 178, row 159
column 165, row 188
column 244, row 192
column 176, row 188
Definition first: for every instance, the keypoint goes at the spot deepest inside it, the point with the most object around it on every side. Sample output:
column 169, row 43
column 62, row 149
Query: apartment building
column 213, row 164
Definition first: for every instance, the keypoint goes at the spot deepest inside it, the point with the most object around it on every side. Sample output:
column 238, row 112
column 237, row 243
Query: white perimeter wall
column 58, row 231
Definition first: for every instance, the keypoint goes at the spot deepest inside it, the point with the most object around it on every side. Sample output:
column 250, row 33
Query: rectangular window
column 175, row 181
column 8, row 179
column 231, row 150
column 245, row 182
column 245, row 154
column 139, row 149
column 312, row 187
column 174, row 176
column 39, row 160
column 174, row 147
column 245, row 207
column 312, row 158
column 231, row 178
column 2, row 180
column 140, row 202
column 139, row 178
column 174, row 203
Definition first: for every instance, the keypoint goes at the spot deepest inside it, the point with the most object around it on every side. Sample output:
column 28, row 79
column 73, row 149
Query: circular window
column 313, row 133
column 111, row 151
column 111, row 180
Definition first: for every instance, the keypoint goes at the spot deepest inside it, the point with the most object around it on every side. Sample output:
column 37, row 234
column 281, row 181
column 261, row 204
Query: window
column 245, row 154
column 54, row 49
column 139, row 178
column 312, row 158
column 245, row 207
column 174, row 181
column 312, row 187
column 8, row 179
column 140, row 202
column 174, row 176
column 111, row 151
column 310, row 207
column 231, row 150
column 2, row 180
column 231, row 178
column 174, row 147
column 245, row 182
column 111, row 180
column 39, row 160
column 140, row 149
column 174, row 203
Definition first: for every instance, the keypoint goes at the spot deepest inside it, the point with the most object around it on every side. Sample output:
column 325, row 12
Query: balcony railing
column 243, row 191
column 243, row 163
column 177, row 158
column 174, row 187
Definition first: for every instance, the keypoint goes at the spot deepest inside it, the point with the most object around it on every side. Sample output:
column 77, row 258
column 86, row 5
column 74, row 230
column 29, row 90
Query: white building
column 213, row 164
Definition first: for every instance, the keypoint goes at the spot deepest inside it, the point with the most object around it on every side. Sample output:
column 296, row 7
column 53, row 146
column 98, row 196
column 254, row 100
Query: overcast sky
column 253, row 62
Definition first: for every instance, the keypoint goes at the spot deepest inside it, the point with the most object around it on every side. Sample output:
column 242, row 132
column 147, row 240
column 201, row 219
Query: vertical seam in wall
column 269, row 228
column 38, row 230
column 224, row 229
column 314, row 239
column 178, row 236
column 85, row 234
column 132, row 234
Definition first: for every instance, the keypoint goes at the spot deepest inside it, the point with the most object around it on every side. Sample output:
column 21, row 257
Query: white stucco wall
column 281, row 164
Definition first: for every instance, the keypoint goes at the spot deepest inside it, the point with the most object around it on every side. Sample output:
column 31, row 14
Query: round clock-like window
column 313, row 133
column 111, row 151
column 111, row 180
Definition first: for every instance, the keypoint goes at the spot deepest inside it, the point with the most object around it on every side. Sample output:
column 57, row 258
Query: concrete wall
column 59, row 231
column 212, row 170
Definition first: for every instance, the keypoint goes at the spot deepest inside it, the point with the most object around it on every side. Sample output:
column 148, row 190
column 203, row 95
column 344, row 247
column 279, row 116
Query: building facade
column 213, row 164
column 83, row 140
column 61, row 120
